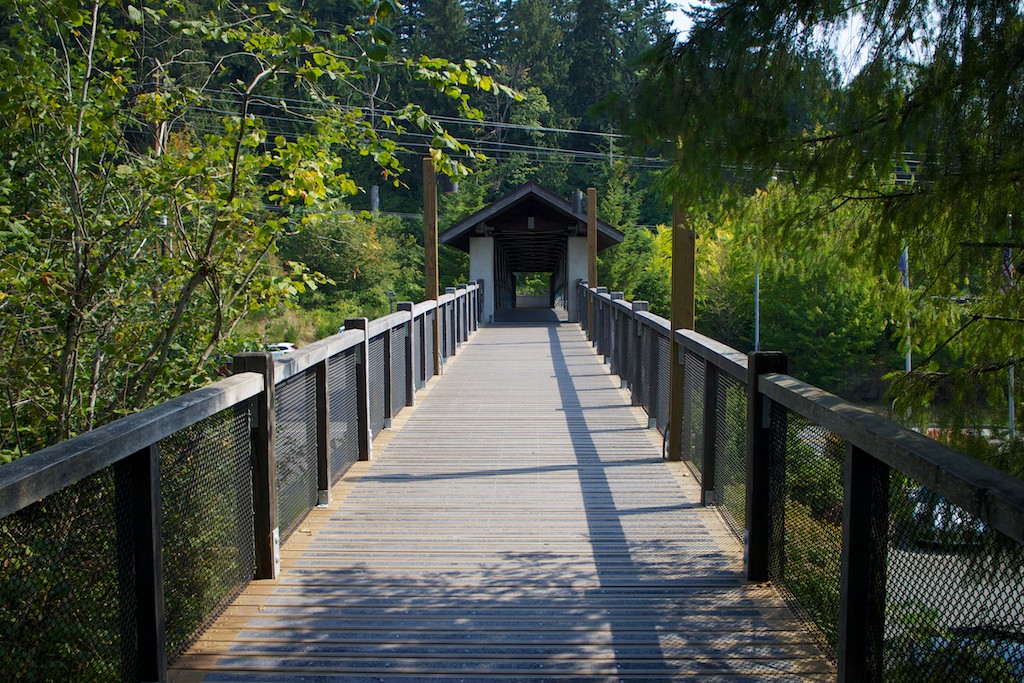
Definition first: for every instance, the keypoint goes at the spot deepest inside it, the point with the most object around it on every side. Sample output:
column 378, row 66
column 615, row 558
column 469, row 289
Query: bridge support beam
column 683, row 280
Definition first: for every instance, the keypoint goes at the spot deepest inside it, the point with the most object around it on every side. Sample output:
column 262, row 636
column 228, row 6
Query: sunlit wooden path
column 519, row 524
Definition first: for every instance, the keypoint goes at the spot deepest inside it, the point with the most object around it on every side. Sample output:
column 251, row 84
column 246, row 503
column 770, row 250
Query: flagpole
column 905, row 268
column 1011, row 407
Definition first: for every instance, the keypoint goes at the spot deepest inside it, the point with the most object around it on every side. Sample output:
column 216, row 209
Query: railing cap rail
column 43, row 473
column 653, row 321
column 983, row 491
column 624, row 305
column 724, row 357
column 381, row 325
column 423, row 307
column 306, row 357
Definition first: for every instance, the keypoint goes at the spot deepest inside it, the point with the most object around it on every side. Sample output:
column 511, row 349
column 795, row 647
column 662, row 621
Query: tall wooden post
column 591, row 252
column 430, row 250
column 683, row 280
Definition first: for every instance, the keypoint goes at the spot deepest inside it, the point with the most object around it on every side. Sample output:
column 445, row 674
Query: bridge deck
column 520, row 525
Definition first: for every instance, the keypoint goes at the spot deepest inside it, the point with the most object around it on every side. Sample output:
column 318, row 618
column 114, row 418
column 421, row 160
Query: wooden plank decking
column 519, row 524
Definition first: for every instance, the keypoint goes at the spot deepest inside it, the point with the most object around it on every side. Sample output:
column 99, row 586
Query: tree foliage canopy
column 155, row 155
column 922, row 135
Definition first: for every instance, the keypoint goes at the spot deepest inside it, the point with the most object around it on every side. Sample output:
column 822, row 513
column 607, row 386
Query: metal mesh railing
column 417, row 352
column 62, row 611
column 664, row 370
column 455, row 321
column 693, row 411
column 443, row 329
column 399, row 375
column 623, row 329
column 808, row 566
column 207, row 509
column 954, row 593
column 378, row 382
column 343, row 402
column 629, row 351
column 295, row 449
column 605, row 328
column 647, row 375
column 428, row 345
column 731, row 451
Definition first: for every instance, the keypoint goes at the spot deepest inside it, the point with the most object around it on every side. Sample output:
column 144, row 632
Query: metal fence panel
column 731, row 451
column 428, row 345
column 208, row 548
column 399, row 372
column 954, row 594
column 417, row 351
column 343, row 400
column 693, row 410
column 61, row 606
column 647, row 375
column 378, row 381
column 664, row 368
column 809, row 565
column 295, row 448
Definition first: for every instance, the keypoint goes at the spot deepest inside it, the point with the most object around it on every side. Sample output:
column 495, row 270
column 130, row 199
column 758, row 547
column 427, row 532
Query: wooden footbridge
column 348, row 515
column 518, row 524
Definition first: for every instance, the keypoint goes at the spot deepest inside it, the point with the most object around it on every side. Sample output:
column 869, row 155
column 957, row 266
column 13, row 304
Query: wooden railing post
column 763, row 513
column 709, row 431
column 863, row 574
column 264, row 473
column 638, row 306
column 137, row 488
column 410, row 355
column 323, row 433
column 362, row 387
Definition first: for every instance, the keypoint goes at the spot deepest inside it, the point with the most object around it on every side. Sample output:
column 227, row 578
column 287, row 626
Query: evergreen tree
column 925, row 136
column 594, row 52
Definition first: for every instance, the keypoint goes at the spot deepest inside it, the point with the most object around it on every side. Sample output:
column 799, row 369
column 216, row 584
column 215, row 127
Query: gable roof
column 531, row 223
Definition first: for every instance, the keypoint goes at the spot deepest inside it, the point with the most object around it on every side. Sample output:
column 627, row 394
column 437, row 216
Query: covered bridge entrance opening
column 528, row 235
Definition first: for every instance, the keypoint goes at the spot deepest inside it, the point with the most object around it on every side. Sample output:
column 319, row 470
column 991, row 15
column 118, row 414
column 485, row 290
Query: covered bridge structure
column 529, row 230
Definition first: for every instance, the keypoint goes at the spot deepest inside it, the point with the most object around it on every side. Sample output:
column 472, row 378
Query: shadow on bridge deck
column 519, row 524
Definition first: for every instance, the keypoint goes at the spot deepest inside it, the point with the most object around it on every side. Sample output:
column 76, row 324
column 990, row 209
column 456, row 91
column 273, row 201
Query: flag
column 905, row 268
column 1007, row 268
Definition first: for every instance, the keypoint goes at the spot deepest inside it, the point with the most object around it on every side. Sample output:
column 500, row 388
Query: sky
column 680, row 22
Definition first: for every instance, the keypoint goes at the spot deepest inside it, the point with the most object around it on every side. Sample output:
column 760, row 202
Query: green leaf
column 134, row 14
column 377, row 52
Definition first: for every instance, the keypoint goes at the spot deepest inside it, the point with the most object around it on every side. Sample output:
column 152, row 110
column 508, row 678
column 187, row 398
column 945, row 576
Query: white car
column 280, row 348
